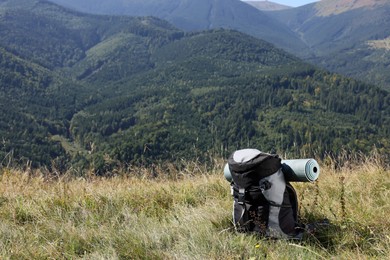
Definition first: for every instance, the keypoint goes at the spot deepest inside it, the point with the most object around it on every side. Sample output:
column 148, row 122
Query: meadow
column 170, row 213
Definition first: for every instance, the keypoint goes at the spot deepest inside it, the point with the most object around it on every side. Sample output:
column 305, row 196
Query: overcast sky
column 293, row 3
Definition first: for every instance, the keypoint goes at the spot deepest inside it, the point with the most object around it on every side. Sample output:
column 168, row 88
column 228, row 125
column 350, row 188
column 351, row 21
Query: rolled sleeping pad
column 227, row 173
column 301, row 170
column 298, row 170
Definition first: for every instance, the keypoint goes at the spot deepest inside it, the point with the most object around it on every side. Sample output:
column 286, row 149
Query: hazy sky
column 293, row 3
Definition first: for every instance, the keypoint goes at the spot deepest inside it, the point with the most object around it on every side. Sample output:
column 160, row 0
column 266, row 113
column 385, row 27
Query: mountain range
column 198, row 15
column 339, row 35
column 345, row 36
column 97, row 91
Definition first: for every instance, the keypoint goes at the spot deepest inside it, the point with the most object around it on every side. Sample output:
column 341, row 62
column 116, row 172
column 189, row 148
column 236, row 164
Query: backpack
column 264, row 202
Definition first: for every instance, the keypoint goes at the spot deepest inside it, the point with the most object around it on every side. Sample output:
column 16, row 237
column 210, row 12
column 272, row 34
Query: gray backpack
column 264, row 202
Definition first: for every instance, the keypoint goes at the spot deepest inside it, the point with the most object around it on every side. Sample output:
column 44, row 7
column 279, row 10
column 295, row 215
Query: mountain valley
column 97, row 91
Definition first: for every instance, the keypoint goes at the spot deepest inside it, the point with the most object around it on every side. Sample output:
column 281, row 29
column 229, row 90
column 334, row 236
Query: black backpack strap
column 241, row 202
column 241, row 196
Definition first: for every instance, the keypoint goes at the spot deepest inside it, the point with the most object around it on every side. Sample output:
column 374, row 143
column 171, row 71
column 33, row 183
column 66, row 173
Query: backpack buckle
column 241, row 196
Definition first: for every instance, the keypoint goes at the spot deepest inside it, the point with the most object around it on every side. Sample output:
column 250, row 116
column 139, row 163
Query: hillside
column 198, row 15
column 116, row 90
column 40, row 45
column 340, row 35
column 335, row 7
column 186, row 215
column 22, row 106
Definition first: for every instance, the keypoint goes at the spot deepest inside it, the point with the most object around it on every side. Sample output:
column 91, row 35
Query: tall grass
column 186, row 215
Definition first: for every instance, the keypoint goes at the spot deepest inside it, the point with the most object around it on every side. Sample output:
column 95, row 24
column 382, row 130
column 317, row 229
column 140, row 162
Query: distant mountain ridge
column 267, row 5
column 340, row 34
column 198, row 15
column 335, row 7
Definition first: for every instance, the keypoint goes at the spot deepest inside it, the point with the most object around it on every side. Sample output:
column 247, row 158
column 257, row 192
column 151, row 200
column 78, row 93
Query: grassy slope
column 186, row 216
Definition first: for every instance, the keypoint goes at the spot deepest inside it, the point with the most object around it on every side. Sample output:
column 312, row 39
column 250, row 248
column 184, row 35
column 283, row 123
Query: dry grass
column 186, row 215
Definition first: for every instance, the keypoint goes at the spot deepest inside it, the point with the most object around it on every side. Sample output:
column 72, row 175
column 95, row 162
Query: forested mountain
column 97, row 91
column 342, row 36
column 198, row 15
column 22, row 87
column 345, row 36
